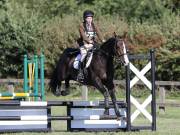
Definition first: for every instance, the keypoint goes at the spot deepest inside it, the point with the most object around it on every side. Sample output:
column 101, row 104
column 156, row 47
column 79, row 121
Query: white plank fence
column 160, row 85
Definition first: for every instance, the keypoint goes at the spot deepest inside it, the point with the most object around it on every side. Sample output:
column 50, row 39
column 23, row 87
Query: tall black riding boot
column 80, row 76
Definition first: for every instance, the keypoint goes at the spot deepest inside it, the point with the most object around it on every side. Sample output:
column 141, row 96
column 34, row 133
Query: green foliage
column 140, row 10
column 28, row 26
column 57, row 35
column 19, row 35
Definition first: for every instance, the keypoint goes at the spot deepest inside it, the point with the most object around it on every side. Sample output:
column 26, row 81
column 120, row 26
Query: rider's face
column 89, row 20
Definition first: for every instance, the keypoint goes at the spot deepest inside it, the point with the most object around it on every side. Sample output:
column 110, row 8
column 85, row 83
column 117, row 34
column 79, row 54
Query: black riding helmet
column 88, row 13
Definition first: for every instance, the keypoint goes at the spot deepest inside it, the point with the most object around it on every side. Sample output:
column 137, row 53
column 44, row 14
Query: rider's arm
column 83, row 35
column 99, row 34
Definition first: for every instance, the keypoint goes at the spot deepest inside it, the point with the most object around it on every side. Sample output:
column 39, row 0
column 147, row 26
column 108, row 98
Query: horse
column 99, row 74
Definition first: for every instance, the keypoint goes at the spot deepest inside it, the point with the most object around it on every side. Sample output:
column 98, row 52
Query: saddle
column 87, row 60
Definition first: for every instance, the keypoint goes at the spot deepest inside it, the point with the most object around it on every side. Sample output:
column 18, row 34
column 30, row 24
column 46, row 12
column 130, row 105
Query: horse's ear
column 114, row 34
column 125, row 35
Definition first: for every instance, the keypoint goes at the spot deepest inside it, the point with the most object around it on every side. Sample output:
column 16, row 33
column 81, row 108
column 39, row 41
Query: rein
column 116, row 51
column 118, row 56
column 115, row 55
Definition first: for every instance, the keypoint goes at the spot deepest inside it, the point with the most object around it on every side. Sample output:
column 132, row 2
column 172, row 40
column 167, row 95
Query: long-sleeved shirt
column 86, row 34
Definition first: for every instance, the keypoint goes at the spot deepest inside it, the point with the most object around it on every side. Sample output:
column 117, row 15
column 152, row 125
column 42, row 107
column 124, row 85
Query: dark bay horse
column 100, row 73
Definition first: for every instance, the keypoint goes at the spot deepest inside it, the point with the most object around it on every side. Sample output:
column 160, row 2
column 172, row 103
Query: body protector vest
column 90, row 32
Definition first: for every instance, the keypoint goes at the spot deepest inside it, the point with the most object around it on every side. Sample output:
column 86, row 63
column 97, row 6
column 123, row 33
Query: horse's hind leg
column 66, row 91
column 58, row 89
column 106, row 102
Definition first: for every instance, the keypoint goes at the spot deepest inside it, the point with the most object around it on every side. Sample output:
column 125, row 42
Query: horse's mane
column 110, row 40
column 107, row 46
column 104, row 46
column 107, row 43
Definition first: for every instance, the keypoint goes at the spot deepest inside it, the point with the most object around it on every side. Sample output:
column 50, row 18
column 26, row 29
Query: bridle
column 117, row 56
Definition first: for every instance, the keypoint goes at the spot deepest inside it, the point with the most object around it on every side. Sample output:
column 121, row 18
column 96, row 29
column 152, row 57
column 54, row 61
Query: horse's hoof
column 106, row 113
column 80, row 80
column 64, row 93
column 118, row 118
column 124, row 118
column 57, row 94
column 121, row 117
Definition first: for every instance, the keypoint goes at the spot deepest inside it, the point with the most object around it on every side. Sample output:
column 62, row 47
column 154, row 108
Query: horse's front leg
column 99, row 85
column 111, row 89
column 106, row 103
column 113, row 98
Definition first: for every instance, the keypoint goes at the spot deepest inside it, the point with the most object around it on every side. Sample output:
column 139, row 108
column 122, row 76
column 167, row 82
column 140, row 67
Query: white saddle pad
column 76, row 61
column 78, row 58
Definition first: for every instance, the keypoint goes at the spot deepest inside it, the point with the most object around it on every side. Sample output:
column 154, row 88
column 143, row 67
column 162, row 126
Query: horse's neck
column 107, row 49
column 108, row 46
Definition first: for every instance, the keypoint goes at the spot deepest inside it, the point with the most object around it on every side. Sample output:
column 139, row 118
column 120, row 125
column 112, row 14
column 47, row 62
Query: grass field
column 168, row 123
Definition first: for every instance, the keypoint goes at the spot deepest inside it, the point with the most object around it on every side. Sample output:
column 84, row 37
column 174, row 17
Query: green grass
column 168, row 123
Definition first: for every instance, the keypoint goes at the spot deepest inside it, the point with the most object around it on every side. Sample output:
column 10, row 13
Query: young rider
column 89, row 36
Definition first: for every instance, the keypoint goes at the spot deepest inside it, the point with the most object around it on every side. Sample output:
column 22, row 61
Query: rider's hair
column 84, row 24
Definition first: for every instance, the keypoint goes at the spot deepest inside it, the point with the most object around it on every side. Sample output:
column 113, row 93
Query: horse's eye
column 117, row 46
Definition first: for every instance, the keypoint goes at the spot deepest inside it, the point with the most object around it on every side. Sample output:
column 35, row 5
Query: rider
column 89, row 35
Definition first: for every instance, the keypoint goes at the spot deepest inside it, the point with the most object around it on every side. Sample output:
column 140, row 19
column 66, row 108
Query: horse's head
column 120, row 49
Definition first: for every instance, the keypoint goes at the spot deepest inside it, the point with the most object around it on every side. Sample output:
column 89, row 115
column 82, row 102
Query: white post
column 84, row 93
column 10, row 87
column 162, row 96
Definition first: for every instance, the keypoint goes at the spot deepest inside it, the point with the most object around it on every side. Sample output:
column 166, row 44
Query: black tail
column 59, row 73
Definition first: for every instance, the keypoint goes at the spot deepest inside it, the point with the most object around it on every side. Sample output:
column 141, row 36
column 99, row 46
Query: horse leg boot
column 66, row 91
column 58, row 89
column 106, row 103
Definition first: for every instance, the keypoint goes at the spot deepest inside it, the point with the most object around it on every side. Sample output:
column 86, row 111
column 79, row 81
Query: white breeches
column 84, row 49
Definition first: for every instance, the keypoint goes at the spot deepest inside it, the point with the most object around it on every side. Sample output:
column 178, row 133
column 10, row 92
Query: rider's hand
column 90, row 42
